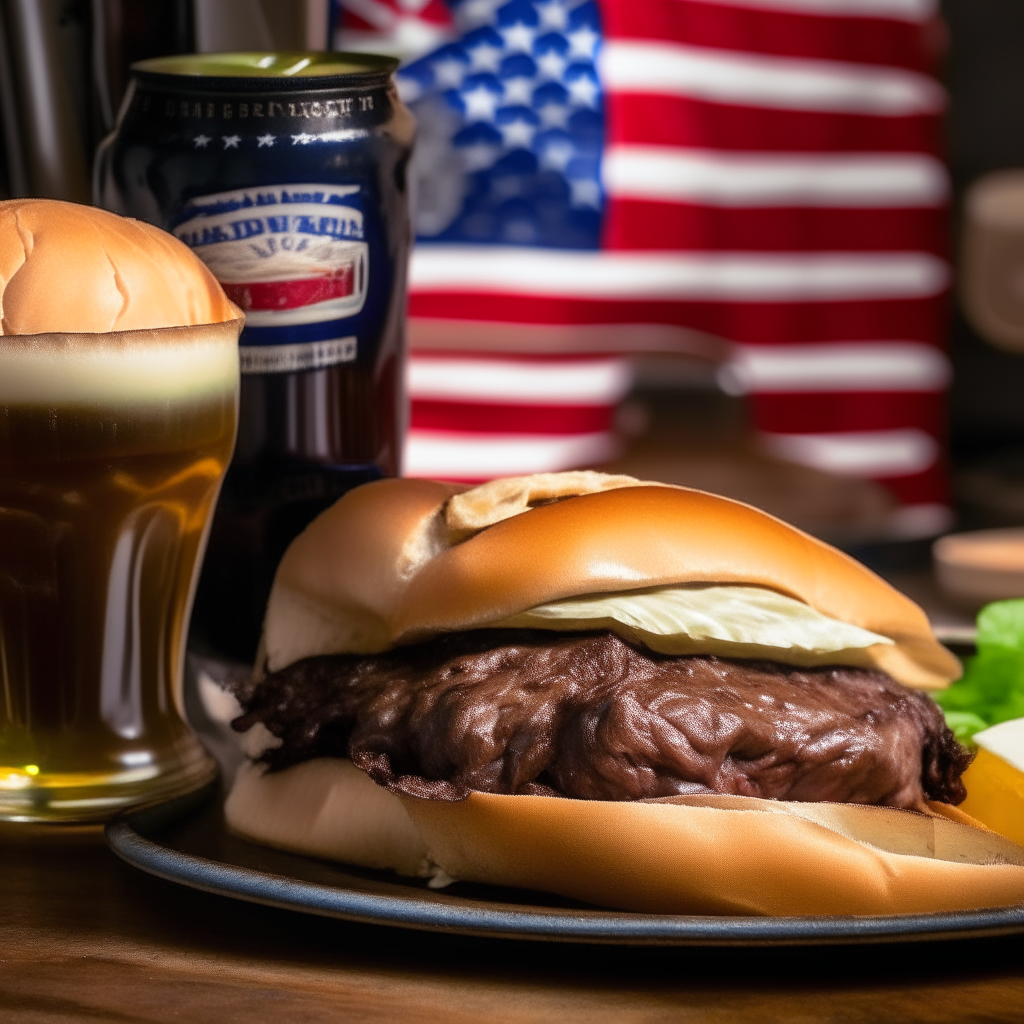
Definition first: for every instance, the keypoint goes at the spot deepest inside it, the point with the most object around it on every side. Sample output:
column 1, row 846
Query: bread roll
column 66, row 268
column 680, row 855
column 388, row 565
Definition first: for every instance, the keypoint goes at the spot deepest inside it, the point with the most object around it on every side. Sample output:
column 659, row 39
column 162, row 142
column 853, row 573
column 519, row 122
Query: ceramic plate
column 185, row 841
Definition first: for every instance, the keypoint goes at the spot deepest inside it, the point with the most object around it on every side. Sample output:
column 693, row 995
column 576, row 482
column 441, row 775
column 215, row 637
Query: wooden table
column 84, row 937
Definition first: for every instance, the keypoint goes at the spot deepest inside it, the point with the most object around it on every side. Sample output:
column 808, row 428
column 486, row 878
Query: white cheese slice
column 1005, row 740
column 722, row 619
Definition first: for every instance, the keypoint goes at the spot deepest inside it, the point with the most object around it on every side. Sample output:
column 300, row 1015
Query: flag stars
column 583, row 90
column 484, row 57
column 477, row 12
column 553, row 14
column 480, row 103
column 265, row 140
column 518, row 92
column 517, row 133
column 583, row 42
column 231, row 141
column 202, row 141
column 519, row 37
column 529, row 102
column 554, row 115
column 557, row 154
column 552, row 65
column 449, row 73
column 585, row 192
column 302, row 139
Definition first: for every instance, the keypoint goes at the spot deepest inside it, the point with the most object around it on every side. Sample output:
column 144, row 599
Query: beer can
column 286, row 173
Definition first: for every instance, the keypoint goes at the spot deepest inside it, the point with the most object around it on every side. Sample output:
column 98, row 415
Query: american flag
column 608, row 176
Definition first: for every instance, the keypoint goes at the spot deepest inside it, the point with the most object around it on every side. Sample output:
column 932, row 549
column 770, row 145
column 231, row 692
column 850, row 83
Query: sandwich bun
column 68, row 268
column 399, row 561
column 679, row 855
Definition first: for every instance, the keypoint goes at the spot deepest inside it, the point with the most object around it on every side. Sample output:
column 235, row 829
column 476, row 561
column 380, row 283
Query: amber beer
column 112, row 450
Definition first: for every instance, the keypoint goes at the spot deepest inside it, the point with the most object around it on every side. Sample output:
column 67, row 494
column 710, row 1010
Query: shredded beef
column 592, row 717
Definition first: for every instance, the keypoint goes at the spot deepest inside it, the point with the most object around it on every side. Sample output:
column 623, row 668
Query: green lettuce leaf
column 992, row 687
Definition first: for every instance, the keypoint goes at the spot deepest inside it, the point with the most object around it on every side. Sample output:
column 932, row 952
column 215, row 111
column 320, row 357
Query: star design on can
column 302, row 139
column 202, row 141
column 264, row 140
column 231, row 141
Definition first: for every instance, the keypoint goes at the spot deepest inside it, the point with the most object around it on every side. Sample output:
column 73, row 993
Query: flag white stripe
column 861, row 180
column 870, row 453
column 782, row 82
column 812, row 277
column 896, row 10
column 840, row 367
column 482, row 457
column 603, row 382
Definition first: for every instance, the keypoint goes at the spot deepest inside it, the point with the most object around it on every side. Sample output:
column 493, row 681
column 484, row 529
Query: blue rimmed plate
column 186, row 841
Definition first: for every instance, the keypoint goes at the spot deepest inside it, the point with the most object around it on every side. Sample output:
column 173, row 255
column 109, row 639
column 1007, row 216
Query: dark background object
column 131, row 30
column 63, row 72
column 985, row 129
column 46, row 110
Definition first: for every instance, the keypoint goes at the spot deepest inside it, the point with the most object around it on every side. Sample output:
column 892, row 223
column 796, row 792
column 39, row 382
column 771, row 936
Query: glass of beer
column 113, row 445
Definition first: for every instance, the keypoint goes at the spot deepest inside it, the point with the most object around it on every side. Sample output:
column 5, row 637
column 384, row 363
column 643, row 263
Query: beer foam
column 132, row 367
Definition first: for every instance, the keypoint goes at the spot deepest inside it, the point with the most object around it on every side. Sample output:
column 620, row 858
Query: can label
column 309, row 355
column 288, row 256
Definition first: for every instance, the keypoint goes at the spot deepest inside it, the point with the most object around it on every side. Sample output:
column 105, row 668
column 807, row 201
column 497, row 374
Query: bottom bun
column 327, row 808
column 679, row 855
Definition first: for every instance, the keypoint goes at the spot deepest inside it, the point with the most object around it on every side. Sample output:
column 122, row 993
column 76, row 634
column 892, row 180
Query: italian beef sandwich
column 637, row 695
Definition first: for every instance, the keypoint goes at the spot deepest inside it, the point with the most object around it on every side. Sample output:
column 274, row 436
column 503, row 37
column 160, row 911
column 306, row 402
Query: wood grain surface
column 84, row 937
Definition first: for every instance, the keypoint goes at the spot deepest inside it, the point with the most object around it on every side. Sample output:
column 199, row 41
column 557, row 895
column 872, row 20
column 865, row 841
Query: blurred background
column 769, row 248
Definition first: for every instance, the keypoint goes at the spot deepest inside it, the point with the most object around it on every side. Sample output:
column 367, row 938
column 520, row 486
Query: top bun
column 71, row 269
column 398, row 561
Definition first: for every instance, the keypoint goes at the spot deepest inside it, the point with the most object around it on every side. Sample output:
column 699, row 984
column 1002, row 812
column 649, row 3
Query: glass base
column 83, row 797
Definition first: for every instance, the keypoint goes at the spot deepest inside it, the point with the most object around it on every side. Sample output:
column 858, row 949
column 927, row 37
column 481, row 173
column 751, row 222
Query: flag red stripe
column 645, row 225
column 810, row 413
column 510, row 419
column 928, row 488
column 350, row 20
column 745, row 322
column 782, row 33
column 657, row 120
column 528, row 358
column 434, row 13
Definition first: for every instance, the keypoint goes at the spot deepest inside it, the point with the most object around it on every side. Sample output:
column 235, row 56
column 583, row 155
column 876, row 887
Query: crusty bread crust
column 68, row 268
column 725, row 854
column 381, row 568
column 683, row 855
column 326, row 808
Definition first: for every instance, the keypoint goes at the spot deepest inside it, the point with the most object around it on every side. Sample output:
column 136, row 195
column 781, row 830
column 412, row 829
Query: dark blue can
column 287, row 174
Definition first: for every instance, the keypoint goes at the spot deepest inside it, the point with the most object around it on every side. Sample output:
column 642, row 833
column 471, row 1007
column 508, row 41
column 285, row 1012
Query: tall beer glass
column 112, row 450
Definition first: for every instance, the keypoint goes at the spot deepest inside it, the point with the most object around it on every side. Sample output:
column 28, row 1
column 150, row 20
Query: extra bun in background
column 67, row 268
column 399, row 561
